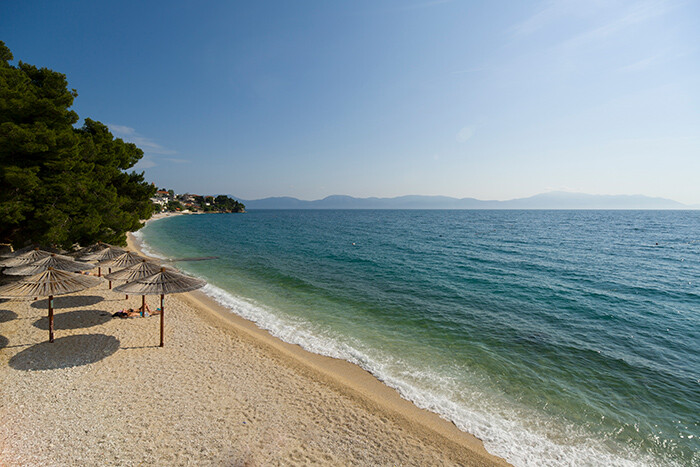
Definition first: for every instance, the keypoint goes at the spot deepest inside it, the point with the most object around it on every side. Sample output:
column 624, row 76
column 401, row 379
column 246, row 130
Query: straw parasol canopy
column 12, row 254
column 48, row 283
column 140, row 270
column 94, row 248
column 104, row 254
column 26, row 258
column 62, row 263
column 164, row 282
column 120, row 262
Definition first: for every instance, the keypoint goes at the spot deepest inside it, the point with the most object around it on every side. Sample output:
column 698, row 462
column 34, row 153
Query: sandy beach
column 221, row 392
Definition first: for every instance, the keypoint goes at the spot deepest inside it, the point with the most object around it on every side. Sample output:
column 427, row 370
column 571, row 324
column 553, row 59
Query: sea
column 556, row 337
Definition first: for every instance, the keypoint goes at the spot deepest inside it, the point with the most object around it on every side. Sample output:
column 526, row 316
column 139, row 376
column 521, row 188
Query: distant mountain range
column 550, row 200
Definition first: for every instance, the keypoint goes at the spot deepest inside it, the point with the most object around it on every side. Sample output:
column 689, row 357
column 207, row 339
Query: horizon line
column 693, row 205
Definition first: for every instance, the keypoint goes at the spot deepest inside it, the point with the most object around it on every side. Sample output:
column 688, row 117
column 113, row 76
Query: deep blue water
column 557, row 337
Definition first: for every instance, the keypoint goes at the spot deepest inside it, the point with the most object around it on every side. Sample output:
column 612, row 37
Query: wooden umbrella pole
column 50, row 318
column 143, row 303
column 162, row 318
column 99, row 271
column 110, row 282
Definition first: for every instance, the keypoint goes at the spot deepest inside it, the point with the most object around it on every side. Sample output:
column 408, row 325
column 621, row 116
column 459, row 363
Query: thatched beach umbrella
column 48, row 283
column 26, row 258
column 61, row 263
column 91, row 249
column 12, row 254
column 140, row 270
column 163, row 282
column 120, row 262
column 104, row 254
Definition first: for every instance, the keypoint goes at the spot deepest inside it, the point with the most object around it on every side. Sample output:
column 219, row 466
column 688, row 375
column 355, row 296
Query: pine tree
column 59, row 184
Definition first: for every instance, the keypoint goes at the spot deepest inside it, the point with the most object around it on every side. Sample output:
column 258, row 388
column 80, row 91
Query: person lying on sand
column 145, row 311
column 130, row 313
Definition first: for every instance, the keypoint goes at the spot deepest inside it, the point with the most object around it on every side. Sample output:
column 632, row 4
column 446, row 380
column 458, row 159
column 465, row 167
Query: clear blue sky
column 493, row 100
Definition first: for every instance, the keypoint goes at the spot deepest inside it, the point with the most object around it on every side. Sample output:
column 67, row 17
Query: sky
column 483, row 99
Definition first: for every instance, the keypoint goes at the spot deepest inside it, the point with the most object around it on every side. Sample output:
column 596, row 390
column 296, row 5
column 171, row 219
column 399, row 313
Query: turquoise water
column 557, row 337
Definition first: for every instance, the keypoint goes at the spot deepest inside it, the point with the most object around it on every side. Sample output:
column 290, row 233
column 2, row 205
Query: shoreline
column 341, row 375
column 220, row 392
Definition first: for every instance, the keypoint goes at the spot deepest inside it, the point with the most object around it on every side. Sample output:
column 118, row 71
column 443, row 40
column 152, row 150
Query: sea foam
column 521, row 434
column 500, row 429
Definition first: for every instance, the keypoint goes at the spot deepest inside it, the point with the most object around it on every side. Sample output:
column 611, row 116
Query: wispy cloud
column 465, row 134
column 145, row 163
column 129, row 134
column 627, row 13
column 546, row 14
column 637, row 13
column 653, row 60
column 176, row 160
column 120, row 130
column 153, row 152
column 465, row 71
column 640, row 65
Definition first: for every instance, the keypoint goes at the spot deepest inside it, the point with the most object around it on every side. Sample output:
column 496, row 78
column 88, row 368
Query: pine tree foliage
column 61, row 185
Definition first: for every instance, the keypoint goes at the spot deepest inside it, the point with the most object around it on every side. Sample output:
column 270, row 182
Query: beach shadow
column 16, row 346
column 68, row 301
column 3, row 342
column 74, row 320
column 7, row 315
column 66, row 352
